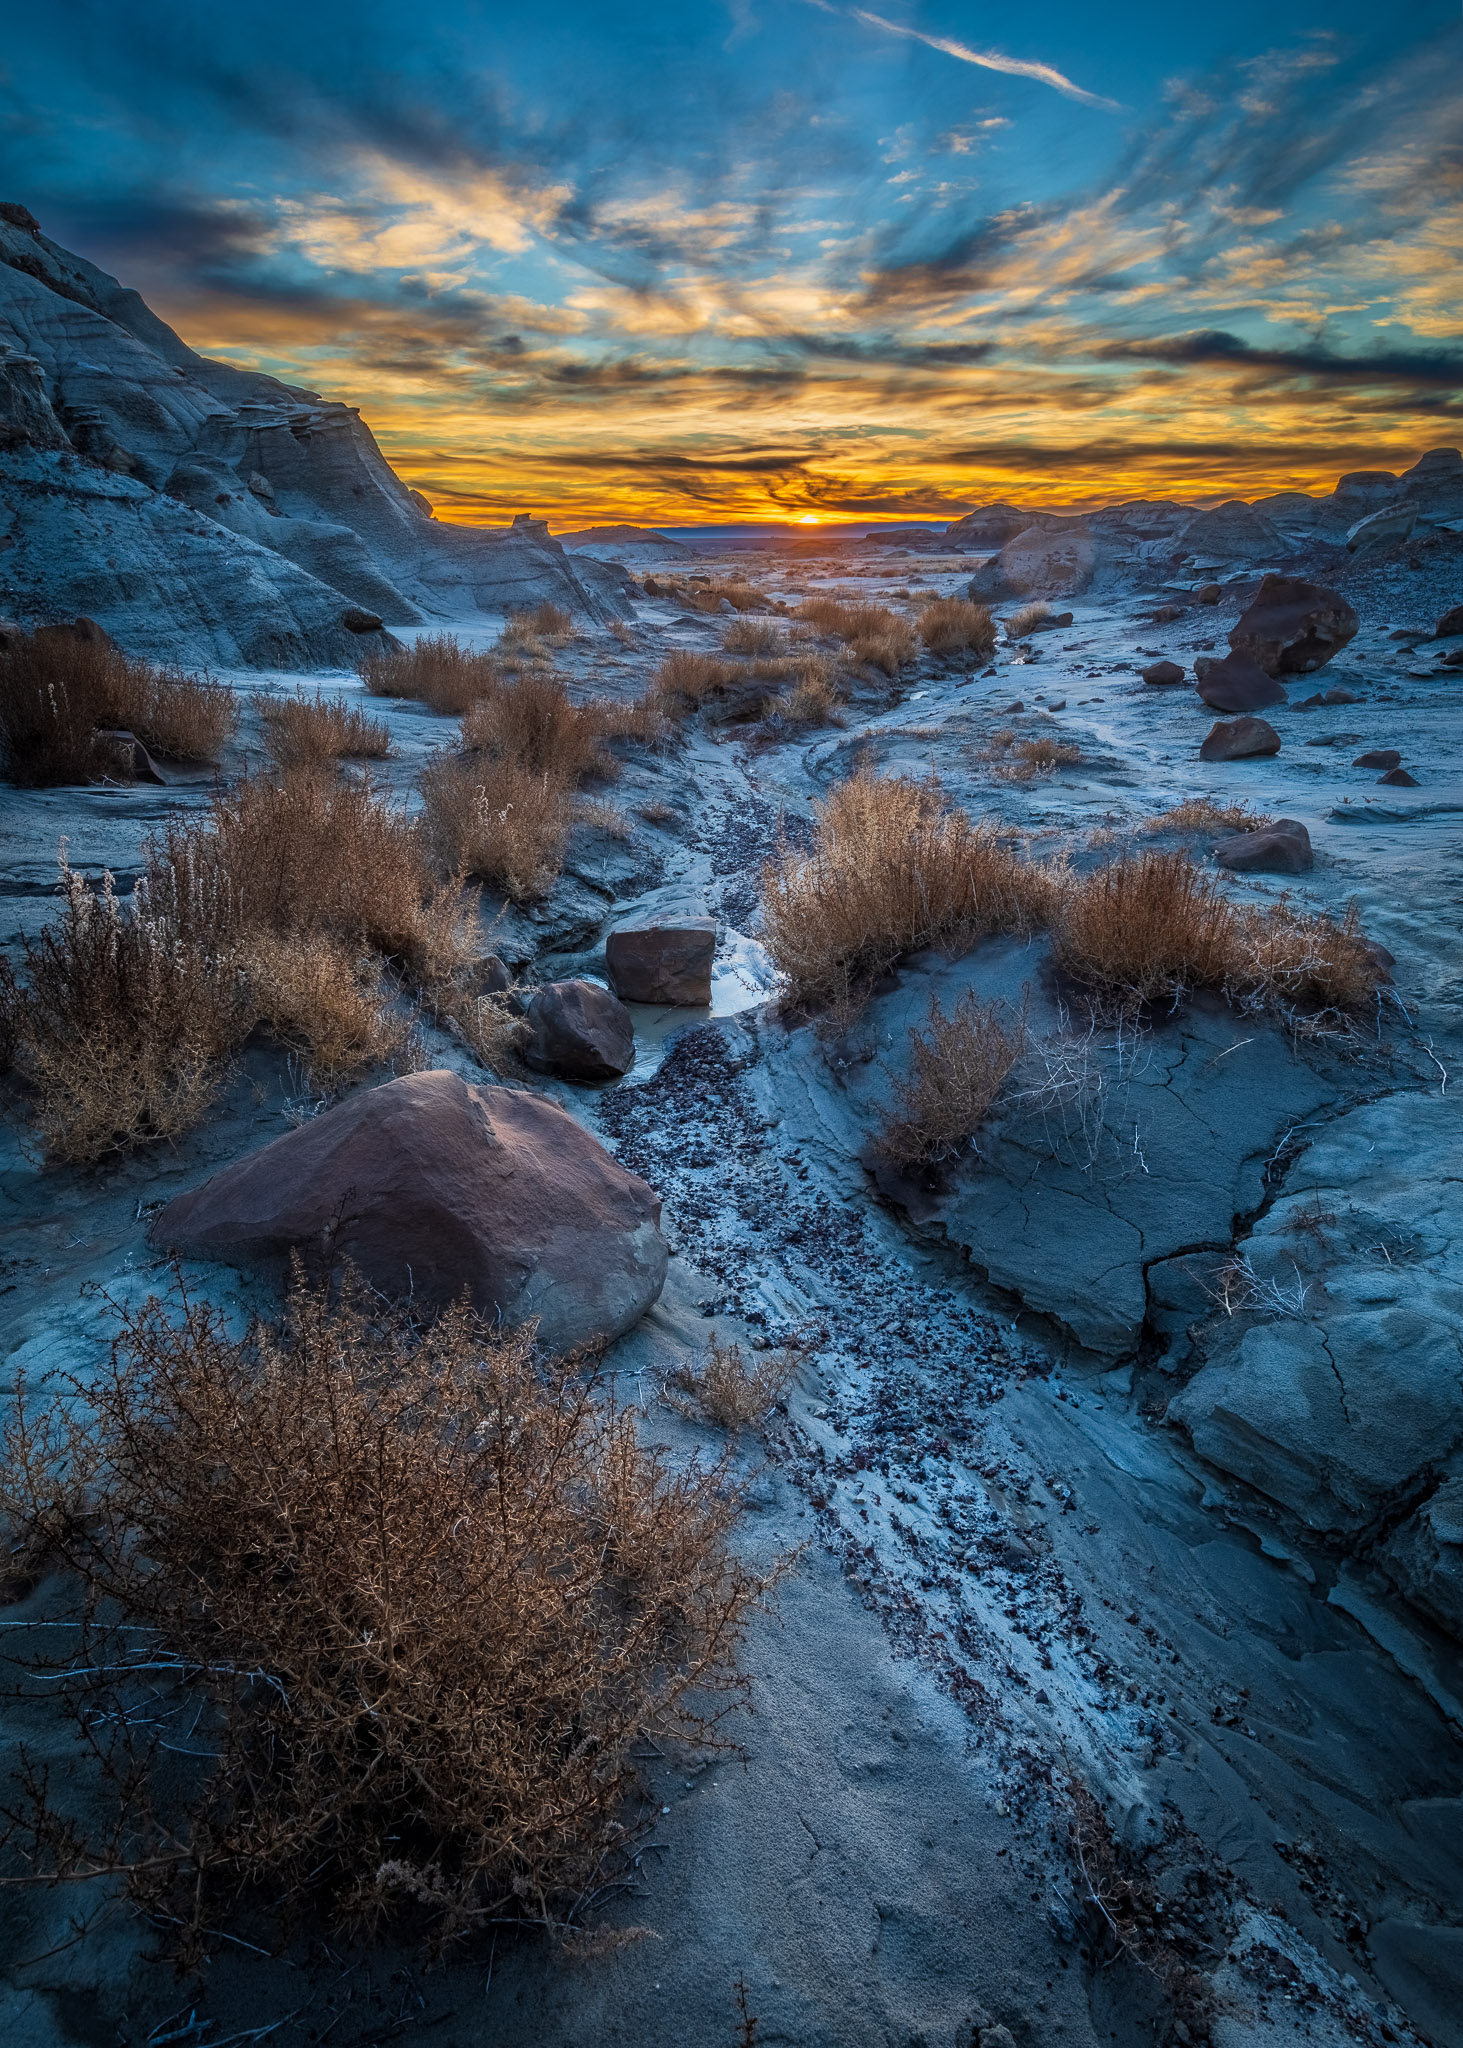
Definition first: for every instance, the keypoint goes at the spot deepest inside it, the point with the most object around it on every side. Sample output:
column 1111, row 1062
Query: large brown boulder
column 579, row 1030
column 1293, row 627
column 1282, row 847
column 1239, row 739
column 433, row 1185
column 1450, row 623
column 1163, row 675
column 1236, row 684
column 663, row 963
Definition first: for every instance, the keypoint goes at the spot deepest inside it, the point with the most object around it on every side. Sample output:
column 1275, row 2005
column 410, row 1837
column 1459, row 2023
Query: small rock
column 663, row 963
column 1380, row 958
column 580, row 1031
column 1017, row 706
column 1060, row 705
column 1280, row 848
column 357, row 621
column 1052, row 624
column 1340, row 695
column 1208, row 593
column 1452, row 660
column 1163, row 675
column 1379, row 757
column 1166, row 614
column 1240, row 739
column 1239, row 684
column 1399, row 779
column 1450, row 623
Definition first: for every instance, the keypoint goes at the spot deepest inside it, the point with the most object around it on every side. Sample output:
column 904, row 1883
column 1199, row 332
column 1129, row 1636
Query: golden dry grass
column 953, row 625
column 958, row 1068
column 892, row 868
column 1202, row 814
column 1024, row 760
column 754, row 636
column 729, row 1390
column 533, row 722
column 436, row 668
column 1144, row 926
column 325, row 1000
column 873, row 635
column 602, row 816
column 307, row 732
column 504, row 823
column 57, row 694
column 1027, row 616
column 418, row 1593
column 685, row 677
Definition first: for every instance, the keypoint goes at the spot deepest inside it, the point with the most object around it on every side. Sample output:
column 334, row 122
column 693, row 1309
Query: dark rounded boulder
column 1240, row 739
column 1293, row 626
column 1450, row 623
column 357, row 621
column 1398, row 778
column 1163, row 675
column 663, row 963
column 1237, row 684
column 1379, row 757
column 1283, row 847
column 433, row 1186
column 1208, row 593
column 578, row 1030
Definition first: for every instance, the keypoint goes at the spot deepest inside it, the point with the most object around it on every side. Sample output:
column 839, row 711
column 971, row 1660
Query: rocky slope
column 204, row 513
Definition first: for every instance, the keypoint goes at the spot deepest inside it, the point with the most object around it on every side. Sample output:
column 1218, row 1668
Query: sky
column 748, row 260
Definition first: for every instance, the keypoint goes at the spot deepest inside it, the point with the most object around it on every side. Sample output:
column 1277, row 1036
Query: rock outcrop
column 1283, row 847
column 205, row 513
column 1041, row 561
column 1293, row 627
column 1237, row 684
column 431, row 1186
column 1240, row 739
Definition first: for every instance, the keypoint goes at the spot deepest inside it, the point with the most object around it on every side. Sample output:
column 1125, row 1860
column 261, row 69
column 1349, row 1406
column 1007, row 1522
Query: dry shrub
column 120, row 1020
column 814, row 699
column 958, row 1070
column 488, row 1025
column 533, row 723
column 623, row 632
column 872, row 634
column 1026, row 618
column 753, row 636
column 436, row 668
column 549, row 622
column 57, row 694
column 307, row 732
column 417, row 1593
column 1144, row 927
column 603, row 817
column 728, row 1391
column 953, row 625
column 323, row 999
column 891, row 869
column 1202, row 814
column 685, row 677
column 1030, row 758
column 492, row 818
column 708, row 594
column 1301, row 963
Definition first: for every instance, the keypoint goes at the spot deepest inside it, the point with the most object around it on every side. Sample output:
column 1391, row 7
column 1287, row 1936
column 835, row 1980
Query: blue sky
column 747, row 260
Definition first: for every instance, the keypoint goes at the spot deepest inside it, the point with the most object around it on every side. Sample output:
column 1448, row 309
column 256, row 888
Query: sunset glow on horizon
column 814, row 265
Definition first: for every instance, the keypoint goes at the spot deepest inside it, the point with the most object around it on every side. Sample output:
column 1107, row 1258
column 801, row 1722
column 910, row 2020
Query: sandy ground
column 1017, row 1575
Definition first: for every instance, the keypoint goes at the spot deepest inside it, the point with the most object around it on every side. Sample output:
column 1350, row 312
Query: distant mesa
column 621, row 544
column 206, row 514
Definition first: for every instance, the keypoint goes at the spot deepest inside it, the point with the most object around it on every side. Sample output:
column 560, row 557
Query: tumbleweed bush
column 426, row 1590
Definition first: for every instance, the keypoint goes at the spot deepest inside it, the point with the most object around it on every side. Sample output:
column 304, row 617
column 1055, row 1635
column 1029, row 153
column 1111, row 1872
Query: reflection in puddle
column 742, row 976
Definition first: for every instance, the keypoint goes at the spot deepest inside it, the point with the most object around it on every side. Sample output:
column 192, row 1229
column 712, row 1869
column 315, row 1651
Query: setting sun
column 808, row 519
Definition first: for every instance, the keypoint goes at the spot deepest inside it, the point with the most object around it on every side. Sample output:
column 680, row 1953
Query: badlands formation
column 1117, row 1694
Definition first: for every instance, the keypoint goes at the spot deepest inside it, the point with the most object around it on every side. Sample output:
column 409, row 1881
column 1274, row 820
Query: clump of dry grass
column 418, row 1593
column 892, row 868
column 307, row 732
column 623, row 632
column 1026, row 618
column 685, row 677
column 120, row 1019
column 1145, row 926
column 58, row 694
column 436, row 668
column 873, row 635
column 534, row 723
column 953, row 625
column 814, row 698
column 728, row 1390
column 1202, row 814
column 1026, row 759
column 959, row 1067
column 488, row 1024
column 493, row 818
column 1304, row 964
column 753, row 636
column 279, row 908
column 602, row 816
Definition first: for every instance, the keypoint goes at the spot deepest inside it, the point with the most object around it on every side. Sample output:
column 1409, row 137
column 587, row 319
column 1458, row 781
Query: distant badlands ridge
column 206, row 514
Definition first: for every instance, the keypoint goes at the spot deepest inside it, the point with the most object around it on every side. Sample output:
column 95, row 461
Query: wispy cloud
column 989, row 60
